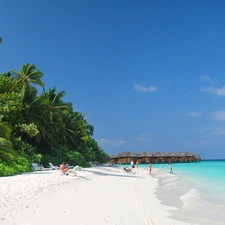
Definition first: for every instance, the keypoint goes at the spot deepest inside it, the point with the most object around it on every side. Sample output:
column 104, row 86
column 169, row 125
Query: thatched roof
column 127, row 155
column 155, row 154
column 189, row 154
column 170, row 154
column 144, row 155
column 114, row 156
column 181, row 154
column 158, row 154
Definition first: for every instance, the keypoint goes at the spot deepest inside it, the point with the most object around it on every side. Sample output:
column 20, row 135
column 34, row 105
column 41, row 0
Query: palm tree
column 6, row 146
column 27, row 75
column 52, row 103
column 45, row 111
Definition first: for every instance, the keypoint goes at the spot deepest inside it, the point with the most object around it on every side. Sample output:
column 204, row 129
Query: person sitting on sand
column 128, row 170
column 62, row 167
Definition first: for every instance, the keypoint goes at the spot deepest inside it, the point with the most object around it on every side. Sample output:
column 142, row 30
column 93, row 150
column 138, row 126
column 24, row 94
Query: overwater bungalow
column 124, row 157
column 197, row 158
column 158, row 157
column 181, row 157
column 170, row 157
column 155, row 157
column 143, row 157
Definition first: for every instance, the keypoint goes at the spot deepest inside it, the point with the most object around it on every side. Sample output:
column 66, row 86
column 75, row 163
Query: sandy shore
column 97, row 196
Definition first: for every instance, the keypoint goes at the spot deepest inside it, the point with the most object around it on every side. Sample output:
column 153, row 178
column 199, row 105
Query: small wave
column 164, row 176
column 191, row 196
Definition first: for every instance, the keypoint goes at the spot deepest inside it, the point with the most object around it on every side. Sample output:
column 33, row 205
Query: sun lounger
column 36, row 167
column 53, row 167
column 75, row 170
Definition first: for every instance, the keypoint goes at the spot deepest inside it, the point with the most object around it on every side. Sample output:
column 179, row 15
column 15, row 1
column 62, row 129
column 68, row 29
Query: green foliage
column 12, row 108
column 27, row 75
column 19, row 165
column 43, row 127
column 6, row 147
column 75, row 158
column 46, row 159
column 26, row 150
column 30, row 129
column 5, row 82
column 6, row 170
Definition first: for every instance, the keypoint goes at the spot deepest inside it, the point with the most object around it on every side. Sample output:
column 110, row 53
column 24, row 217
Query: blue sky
column 149, row 75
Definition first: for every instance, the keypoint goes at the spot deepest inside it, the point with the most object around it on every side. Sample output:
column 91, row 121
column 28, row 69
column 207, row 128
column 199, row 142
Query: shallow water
column 195, row 189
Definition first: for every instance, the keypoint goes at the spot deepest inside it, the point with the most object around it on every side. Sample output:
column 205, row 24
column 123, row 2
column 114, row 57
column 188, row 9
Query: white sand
column 97, row 196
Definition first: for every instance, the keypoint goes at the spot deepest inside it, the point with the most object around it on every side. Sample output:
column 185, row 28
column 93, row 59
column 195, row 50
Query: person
column 137, row 163
column 171, row 169
column 132, row 164
column 150, row 168
column 128, row 170
column 62, row 167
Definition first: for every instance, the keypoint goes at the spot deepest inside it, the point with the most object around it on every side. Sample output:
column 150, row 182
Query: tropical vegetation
column 41, row 127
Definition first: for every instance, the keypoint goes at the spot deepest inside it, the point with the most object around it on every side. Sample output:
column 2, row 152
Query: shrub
column 18, row 166
column 53, row 159
column 75, row 158
column 6, row 170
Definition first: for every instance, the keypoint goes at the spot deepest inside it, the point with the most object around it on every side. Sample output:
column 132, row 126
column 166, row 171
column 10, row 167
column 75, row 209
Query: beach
column 100, row 195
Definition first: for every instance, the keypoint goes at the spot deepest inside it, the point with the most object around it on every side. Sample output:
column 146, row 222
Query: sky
column 149, row 75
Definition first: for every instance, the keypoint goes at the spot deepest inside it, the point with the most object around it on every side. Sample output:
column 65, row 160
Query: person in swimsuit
column 62, row 167
column 137, row 163
column 150, row 168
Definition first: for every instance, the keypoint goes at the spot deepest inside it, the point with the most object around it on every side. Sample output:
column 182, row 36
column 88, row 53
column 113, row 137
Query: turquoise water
column 195, row 189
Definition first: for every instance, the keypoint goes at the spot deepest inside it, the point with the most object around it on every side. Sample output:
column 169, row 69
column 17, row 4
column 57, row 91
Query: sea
column 195, row 191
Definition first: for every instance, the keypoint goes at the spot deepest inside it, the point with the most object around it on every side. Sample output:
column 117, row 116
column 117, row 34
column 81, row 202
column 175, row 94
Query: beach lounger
column 53, row 167
column 75, row 170
column 36, row 167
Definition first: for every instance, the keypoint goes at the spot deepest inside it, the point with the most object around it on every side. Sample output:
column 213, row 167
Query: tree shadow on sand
column 130, row 175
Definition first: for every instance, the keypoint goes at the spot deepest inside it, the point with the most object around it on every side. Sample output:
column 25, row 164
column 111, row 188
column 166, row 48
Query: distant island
column 155, row 157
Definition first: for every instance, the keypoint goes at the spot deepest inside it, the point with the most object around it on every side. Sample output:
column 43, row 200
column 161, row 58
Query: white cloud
column 141, row 88
column 110, row 142
column 205, row 77
column 103, row 141
column 215, row 91
column 218, row 115
column 143, row 137
column 218, row 131
column 117, row 142
column 194, row 114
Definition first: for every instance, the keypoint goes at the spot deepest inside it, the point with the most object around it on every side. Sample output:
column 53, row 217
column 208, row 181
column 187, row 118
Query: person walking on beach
column 150, row 168
column 137, row 163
